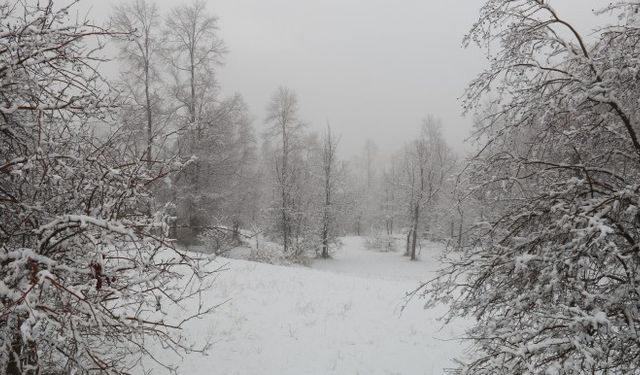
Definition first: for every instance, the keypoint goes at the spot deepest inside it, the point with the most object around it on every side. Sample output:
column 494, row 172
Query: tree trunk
column 285, row 230
column 192, row 84
column 460, row 230
column 147, row 95
column 235, row 233
column 325, row 243
column 325, row 229
column 284, row 181
column 328, row 161
column 414, row 239
column 408, row 247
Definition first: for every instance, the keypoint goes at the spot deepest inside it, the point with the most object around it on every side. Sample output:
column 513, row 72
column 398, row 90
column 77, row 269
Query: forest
column 136, row 201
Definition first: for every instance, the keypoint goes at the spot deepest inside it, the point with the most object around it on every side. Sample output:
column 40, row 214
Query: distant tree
column 307, row 194
column 140, row 50
column 331, row 173
column 285, row 125
column 365, row 186
column 355, row 196
column 242, row 203
column 392, row 194
column 229, row 175
column 429, row 161
column 193, row 50
column 370, row 154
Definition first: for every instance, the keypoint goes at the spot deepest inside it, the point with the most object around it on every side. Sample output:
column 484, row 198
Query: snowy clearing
column 341, row 316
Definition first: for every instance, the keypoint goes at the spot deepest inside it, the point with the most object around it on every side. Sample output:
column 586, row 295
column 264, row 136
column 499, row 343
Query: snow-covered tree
column 552, row 275
column 366, row 187
column 286, row 128
column 332, row 172
column 392, row 210
column 429, row 162
column 139, row 23
column 85, row 271
column 228, row 177
column 240, row 205
column 193, row 50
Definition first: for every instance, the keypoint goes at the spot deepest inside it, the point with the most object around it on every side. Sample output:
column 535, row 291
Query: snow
column 341, row 316
column 354, row 259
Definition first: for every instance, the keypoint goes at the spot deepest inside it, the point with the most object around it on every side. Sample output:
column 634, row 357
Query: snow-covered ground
column 341, row 316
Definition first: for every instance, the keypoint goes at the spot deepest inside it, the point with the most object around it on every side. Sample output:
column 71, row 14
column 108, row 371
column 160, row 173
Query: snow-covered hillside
column 342, row 316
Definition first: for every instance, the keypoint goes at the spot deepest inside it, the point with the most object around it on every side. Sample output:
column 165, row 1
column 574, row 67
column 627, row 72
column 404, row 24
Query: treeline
column 276, row 177
column 279, row 182
column 411, row 192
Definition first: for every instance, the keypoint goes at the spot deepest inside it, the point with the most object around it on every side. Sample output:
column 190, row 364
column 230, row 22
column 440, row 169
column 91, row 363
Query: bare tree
column 193, row 50
column 282, row 116
column 139, row 20
column 366, row 190
column 330, row 173
column 392, row 191
column 229, row 175
column 428, row 163
column 370, row 154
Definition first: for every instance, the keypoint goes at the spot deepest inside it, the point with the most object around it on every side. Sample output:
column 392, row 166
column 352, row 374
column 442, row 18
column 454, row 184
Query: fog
column 164, row 212
column 372, row 69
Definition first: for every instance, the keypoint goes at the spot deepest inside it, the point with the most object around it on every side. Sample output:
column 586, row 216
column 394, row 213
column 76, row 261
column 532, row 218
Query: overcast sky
column 372, row 68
